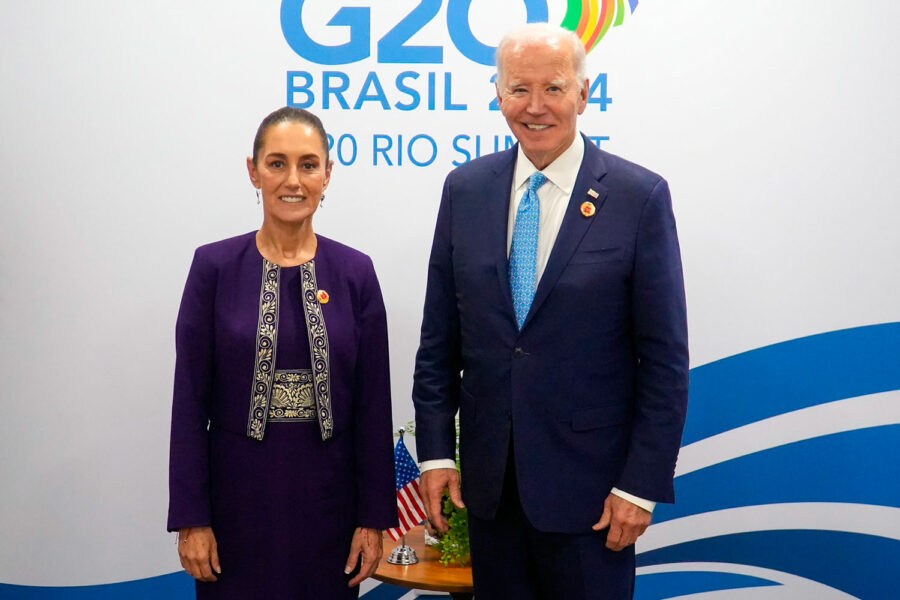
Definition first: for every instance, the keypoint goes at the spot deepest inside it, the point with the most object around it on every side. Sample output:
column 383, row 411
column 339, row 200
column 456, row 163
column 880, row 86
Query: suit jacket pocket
column 601, row 416
column 587, row 257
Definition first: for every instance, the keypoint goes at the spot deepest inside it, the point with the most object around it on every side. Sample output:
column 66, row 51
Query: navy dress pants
column 511, row 560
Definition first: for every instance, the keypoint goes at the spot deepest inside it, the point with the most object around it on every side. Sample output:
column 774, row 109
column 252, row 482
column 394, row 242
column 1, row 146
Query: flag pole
column 403, row 554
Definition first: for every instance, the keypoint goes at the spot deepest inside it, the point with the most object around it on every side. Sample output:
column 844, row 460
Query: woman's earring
column 258, row 199
column 322, row 200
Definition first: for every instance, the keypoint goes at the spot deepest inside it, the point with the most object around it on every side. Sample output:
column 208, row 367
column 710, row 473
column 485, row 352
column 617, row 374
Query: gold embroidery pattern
column 292, row 396
column 266, row 343
column 318, row 347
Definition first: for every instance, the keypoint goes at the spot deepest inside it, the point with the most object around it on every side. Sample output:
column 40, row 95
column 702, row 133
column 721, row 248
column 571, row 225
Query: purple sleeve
column 189, row 504
column 373, row 447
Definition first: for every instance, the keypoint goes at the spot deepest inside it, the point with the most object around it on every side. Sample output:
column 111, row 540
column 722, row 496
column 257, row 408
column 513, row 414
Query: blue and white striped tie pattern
column 523, row 253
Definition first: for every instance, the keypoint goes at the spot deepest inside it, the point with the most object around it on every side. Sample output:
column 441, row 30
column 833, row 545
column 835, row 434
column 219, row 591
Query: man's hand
column 199, row 553
column 626, row 522
column 366, row 543
column 432, row 484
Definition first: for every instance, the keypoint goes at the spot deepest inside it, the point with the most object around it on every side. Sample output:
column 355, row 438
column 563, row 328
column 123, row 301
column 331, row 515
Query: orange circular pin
column 588, row 209
column 323, row 297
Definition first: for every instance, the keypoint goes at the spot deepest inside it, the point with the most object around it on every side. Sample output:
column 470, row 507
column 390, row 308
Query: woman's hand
column 199, row 553
column 366, row 543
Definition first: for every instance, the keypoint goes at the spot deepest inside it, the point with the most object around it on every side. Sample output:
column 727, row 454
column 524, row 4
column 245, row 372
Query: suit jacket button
column 518, row 353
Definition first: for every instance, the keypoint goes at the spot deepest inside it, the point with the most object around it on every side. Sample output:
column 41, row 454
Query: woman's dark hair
column 297, row 115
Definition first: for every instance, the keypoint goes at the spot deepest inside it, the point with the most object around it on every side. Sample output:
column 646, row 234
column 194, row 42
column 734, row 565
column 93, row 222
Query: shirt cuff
column 440, row 463
column 647, row 505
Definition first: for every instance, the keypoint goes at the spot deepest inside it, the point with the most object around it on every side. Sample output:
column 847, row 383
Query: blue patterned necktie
column 524, row 249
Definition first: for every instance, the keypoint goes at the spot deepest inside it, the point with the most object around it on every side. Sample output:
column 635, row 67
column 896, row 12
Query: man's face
column 541, row 98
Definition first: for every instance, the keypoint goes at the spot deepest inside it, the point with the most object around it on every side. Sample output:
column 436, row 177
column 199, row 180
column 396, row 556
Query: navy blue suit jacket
column 593, row 389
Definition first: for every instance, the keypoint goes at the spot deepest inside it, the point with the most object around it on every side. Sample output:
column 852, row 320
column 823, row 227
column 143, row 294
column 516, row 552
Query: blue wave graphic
column 792, row 375
column 857, row 466
column 843, row 467
column 386, row 591
column 657, row 586
column 861, row 565
column 174, row 585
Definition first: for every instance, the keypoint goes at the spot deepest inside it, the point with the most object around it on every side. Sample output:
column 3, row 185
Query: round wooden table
column 428, row 573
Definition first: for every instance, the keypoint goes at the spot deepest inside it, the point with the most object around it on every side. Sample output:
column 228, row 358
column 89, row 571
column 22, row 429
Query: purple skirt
column 283, row 514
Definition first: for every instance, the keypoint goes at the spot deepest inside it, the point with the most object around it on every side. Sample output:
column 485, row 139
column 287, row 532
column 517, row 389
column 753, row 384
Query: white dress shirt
column 554, row 198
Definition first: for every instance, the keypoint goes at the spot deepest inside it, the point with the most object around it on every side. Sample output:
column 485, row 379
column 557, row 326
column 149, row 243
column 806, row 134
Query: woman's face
column 291, row 171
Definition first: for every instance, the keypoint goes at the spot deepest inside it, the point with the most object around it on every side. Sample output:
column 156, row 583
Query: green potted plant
column 453, row 545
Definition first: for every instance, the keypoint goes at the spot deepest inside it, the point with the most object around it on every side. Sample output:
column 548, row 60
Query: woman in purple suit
column 281, row 472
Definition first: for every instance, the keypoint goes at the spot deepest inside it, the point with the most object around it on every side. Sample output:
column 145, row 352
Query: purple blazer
column 217, row 374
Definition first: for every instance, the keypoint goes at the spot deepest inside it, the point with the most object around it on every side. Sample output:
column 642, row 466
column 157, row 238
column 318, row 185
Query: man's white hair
column 551, row 35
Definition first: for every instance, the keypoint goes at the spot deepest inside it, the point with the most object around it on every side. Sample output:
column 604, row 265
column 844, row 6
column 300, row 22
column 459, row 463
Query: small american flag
column 409, row 503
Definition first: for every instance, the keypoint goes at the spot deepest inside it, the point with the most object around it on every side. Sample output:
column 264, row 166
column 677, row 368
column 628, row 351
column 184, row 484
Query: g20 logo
column 590, row 19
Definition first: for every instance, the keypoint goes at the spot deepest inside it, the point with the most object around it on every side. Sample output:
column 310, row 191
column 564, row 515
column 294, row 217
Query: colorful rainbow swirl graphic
column 591, row 19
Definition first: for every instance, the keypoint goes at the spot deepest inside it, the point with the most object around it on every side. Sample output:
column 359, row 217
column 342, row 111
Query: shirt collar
column 562, row 172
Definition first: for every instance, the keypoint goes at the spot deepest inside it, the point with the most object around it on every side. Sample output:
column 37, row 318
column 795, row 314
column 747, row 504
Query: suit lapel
column 574, row 224
column 497, row 193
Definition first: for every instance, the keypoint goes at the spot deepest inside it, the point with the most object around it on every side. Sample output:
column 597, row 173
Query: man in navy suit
column 555, row 324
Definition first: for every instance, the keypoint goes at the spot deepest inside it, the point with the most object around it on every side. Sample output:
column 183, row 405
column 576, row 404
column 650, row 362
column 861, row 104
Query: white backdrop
column 125, row 130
